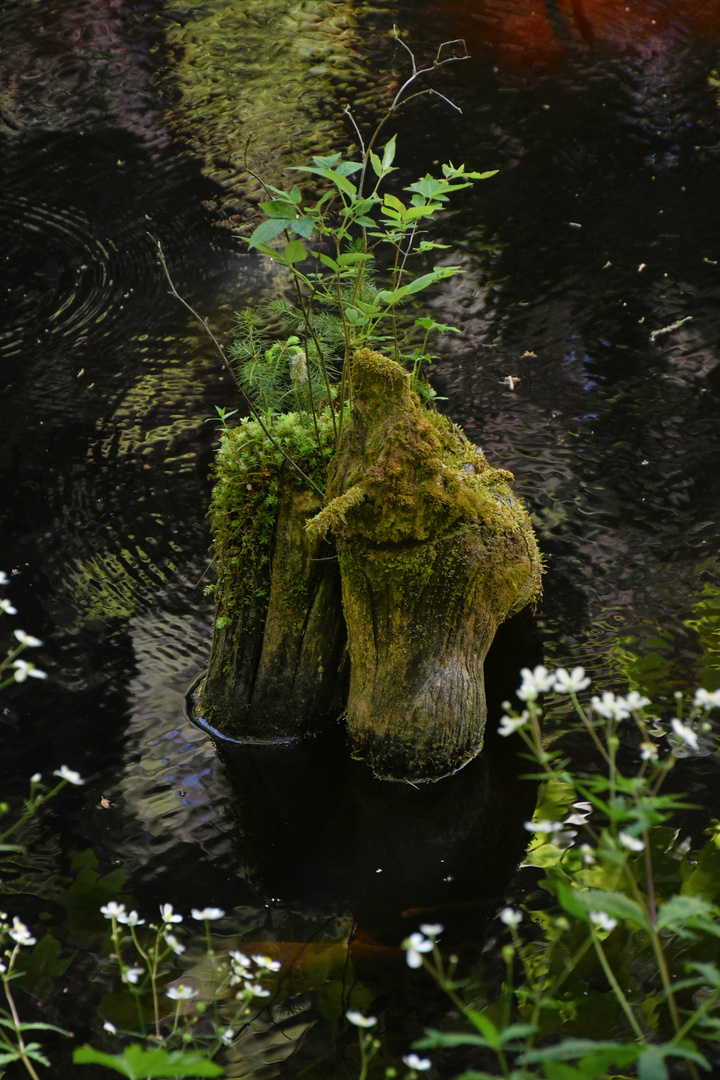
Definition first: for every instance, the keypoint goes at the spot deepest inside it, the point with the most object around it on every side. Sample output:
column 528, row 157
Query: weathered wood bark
column 279, row 645
column 435, row 552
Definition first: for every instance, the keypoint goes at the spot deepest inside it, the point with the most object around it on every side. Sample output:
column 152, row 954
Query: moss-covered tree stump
column 279, row 645
column 435, row 552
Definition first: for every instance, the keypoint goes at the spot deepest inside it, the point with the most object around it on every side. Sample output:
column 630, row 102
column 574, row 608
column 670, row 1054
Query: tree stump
column 278, row 660
column 435, row 552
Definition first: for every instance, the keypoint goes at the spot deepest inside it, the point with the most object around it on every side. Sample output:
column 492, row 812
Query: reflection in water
column 592, row 278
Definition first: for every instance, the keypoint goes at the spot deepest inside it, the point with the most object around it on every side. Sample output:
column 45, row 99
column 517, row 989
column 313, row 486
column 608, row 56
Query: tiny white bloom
column 543, row 826
column 113, row 909
column 570, row 682
column 23, row 669
column 181, row 992
column 3, row 578
column 267, row 962
column 511, row 917
column 635, row 702
column 588, row 854
column 240, row 959
column 535, row 682
column 130, row 918
column 684, row 733
column 510, row 724
column 707, row 699
column 6, row 606
column 431, row 930
column 110, row 1028
column 20, row 933
column 207, row 913
column 632, row 843
column 132, row 975
column 414, row 1062
column 36, row 778
column 648, row 751
column 603, row 921
column 415, row 945
column 70, row 775
column 168, row 916
column 609, row 706
column 227, row 1036
column 359, row 1020
column 173, row 942
column 257, row 991
column 3, row 969
column 27, row 639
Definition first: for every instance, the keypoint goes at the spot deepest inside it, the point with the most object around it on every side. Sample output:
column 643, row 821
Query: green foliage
column 137, row 1063
column 629, row 945
column 356, row 254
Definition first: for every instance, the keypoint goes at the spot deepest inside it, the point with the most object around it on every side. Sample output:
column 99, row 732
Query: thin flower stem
column 610, row 975
column 22, row 1050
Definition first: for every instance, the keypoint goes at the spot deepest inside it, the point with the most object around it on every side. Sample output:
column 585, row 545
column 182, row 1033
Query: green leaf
column 137, row 1063
column 392, row 296
column 678, row 909
column 326, row 260
column 294, row 252
column 428, row 323
column 612, row 903
column 278, row 208
column 388, row 155
column 376, row 164
column 427, row 187
column 435, row 1038
column 268, row 230
column 351, row 258
column 577, row 1049
column 394, row 203
column 8, row 1056
column 303, row 226
column 347, row 168
column 485, row 1026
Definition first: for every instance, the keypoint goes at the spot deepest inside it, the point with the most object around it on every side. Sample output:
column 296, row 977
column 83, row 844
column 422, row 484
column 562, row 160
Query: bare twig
column 248, row 401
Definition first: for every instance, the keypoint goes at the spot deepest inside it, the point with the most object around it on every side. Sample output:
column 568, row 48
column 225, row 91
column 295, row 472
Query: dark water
column 124, row 124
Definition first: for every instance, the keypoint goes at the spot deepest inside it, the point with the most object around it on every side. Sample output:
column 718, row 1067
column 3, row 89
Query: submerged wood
column 279, row 646
column 435, row 552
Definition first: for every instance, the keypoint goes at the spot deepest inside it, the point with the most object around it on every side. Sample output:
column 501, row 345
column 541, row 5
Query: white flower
column 603, row 921
column 3, row 578
column 36, row 778
column 684, row 734
column 631, row 842
column 415, row 945
column 181, row 992
column 588, row 854
column 3, row 969
column 114, row 910
column 706, row 699
column 511, row 917
column 648, row 751
column 609, row 706
column 70, row 775
column 166, row 911
column 20, row 933
column 240, row 959
column 431, row 930
column 510, row 724
column 130, row 918
column 583, row 812
column 173, row 942
column 570, row 682
column 110, row 1028
column 207, row 913
column 414, row 1062
column 6, row 606
column 543, row 826
column 267, row 962
column 132, row 975
column 23, row 669
column 257, row 991
column 535, row 682
column 27, row 639
column 227, row 1036
column 359, row 1020
column 635, row 702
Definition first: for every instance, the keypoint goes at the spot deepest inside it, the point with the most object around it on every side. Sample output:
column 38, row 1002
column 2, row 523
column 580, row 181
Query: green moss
column 249, row 472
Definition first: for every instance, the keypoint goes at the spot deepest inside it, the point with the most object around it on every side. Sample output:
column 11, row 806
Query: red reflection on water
column 525, row 32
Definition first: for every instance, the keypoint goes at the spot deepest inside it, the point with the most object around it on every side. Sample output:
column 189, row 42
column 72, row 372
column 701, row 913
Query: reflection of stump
column 279, row 639
column 435, row 552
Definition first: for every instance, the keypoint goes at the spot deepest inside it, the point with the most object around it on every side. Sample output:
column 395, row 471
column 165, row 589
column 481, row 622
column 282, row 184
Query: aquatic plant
column 623, row 888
